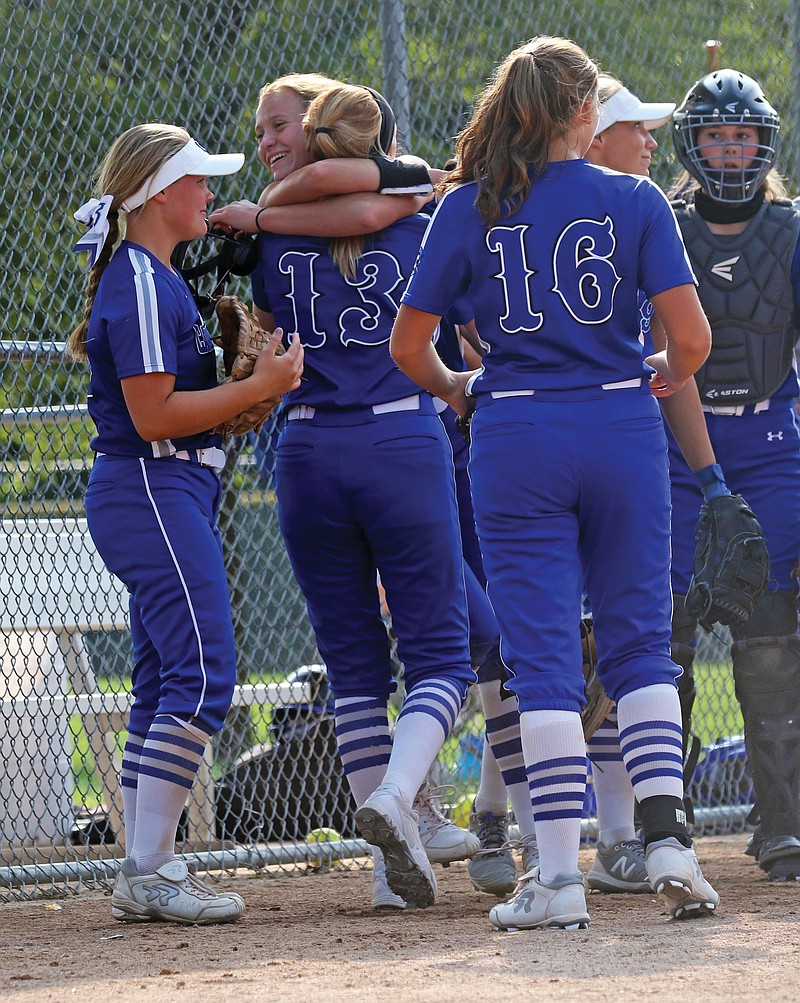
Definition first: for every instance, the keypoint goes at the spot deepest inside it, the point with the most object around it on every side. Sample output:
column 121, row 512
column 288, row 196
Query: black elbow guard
column 401, row 177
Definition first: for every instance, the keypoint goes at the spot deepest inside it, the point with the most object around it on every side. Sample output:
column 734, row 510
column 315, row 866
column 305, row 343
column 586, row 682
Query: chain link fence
column 75, row 75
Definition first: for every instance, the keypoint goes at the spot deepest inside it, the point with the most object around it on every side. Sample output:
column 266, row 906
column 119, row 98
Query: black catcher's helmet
column 726, row 97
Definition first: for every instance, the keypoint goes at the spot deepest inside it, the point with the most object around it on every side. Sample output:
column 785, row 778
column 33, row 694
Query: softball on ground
column 323, row 836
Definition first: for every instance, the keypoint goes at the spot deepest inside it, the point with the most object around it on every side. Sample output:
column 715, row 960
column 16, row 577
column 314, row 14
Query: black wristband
column 397, row 177
column 262, row 209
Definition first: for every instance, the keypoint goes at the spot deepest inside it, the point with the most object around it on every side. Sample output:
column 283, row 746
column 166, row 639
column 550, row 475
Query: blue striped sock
column 365, row 745
column 428, row 715
column 556, row 753
column 612, row 785
column 168, row 763
column 650, row 737
column 503, row 732
column 129, row 782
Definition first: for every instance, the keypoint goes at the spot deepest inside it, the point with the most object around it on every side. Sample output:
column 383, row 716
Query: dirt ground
column 314, row 938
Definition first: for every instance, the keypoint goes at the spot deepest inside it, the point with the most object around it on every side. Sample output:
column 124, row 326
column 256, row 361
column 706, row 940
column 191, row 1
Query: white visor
column 626, row 107
column 192, row 159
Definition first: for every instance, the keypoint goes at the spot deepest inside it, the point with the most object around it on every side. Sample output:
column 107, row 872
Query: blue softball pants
column 154, row 523
column 361, row 493
column 572, row 494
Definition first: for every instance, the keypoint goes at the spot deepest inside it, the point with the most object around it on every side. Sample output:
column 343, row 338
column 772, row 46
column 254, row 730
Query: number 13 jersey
column 344, row 323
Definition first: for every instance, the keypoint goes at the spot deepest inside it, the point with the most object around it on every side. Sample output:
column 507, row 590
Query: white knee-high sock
column 612, row 785
column 168, row 763
column 650, row 737
column 503, row 732
column 365, row 746
column 491, row 794
column 555, row 754
column 426, row 719
column 129, row 782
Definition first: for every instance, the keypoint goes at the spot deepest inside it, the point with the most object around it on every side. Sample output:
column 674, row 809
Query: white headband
column 623, row 106
column 191, row 159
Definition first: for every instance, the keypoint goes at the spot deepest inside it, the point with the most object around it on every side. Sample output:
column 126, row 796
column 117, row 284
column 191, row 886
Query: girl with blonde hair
column 153, row 493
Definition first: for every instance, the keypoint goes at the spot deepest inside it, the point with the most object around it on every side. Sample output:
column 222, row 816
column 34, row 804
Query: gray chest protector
column 745, row 287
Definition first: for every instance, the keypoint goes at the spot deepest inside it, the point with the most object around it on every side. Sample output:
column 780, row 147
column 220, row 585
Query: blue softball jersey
column 555, row 289
column 144, row 320
column 338, row 317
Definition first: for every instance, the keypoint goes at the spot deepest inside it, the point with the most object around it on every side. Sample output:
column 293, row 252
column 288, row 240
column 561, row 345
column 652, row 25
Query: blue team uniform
column 152, row 507
column 756, row 444
column 364, row 469
column 568, row 458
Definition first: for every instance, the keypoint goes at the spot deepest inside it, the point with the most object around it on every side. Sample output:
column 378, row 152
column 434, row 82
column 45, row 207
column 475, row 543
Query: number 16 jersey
column 555, row 284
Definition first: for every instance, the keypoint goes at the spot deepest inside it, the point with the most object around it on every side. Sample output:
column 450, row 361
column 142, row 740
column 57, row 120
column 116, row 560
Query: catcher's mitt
column 598, row 703
column 731, row 563
column 242, row 339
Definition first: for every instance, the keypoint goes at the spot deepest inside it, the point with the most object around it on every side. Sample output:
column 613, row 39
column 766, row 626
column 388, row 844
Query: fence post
column 791, row 165
column 395, row 64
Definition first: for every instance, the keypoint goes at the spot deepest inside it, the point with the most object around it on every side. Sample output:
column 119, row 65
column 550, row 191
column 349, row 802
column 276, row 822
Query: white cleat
column 560, row 904
column 382, row 895
column 386, row 822
column 675, row 875
column 443, row 841
column 171, row 894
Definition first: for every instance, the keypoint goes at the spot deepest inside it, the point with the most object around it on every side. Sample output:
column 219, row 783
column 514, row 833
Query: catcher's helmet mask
column 235, row 256
column 727, row 97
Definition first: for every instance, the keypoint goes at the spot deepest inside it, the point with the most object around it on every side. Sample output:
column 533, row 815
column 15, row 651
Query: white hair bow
column 94, row 215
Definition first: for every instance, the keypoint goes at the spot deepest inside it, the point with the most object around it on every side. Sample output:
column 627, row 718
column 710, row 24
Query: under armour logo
column 163, row 894
column 774, row 435
column 723, row 268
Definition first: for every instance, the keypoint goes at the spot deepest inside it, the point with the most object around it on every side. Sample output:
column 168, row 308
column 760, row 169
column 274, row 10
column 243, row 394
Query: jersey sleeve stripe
column 147, row 305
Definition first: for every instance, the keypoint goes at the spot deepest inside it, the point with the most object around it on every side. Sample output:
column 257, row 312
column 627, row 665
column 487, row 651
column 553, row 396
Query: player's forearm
column 340, row 216
column 687, row 331
column 158, row 411
column 412, row 349
column 685, row 419
column 322, row 179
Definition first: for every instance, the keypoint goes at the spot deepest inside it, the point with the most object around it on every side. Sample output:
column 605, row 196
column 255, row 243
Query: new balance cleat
column 492, row 869
column 386, row 822
column 779, row 856
column 171, row 894
column 442, row 840
column 382, row 895
column 619, row 868
column 675, row 875
column 560, row 904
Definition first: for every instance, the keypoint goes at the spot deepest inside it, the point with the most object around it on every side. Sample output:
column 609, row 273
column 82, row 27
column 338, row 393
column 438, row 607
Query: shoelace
column 492, row 831
column 425, row 803
column 636, row 845
column 497, row 833
column 201, row 889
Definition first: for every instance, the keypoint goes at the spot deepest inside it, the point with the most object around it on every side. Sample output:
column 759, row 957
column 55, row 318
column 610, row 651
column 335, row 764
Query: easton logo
column 723, row 268
column 731, row 107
